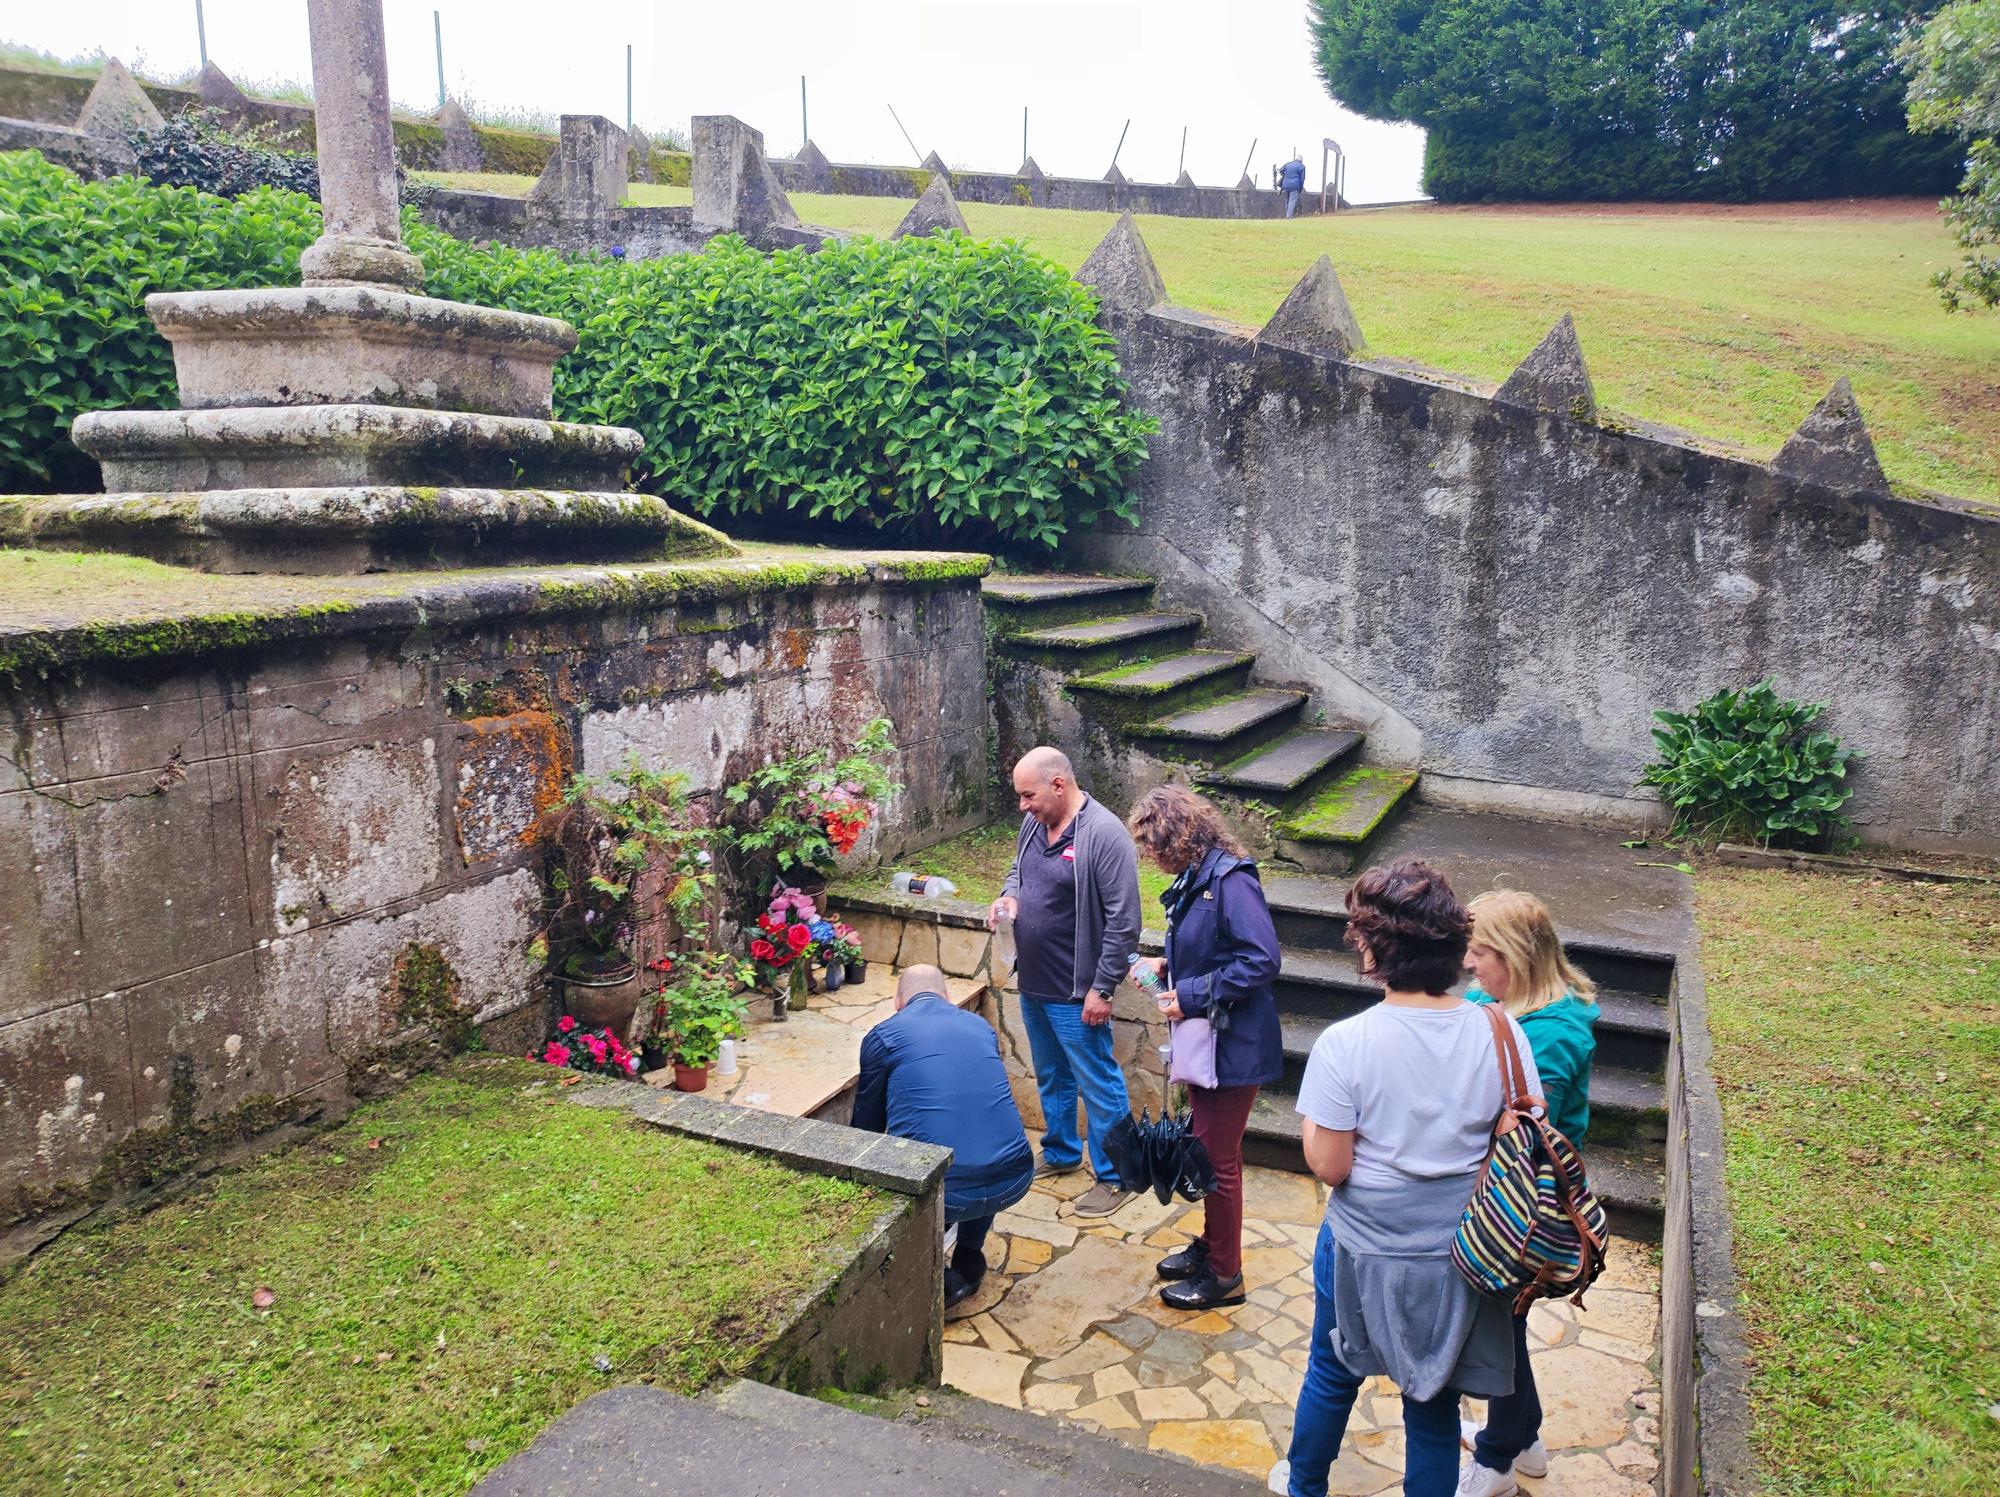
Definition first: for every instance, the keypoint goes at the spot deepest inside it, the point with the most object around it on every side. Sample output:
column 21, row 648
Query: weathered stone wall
column 1504, row 595
column 34, row 96
column 213, row 867
column 812, row 173
column 642, row 233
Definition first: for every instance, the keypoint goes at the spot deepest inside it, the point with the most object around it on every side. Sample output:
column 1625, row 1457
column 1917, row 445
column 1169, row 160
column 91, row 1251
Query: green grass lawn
column 977, row 861
column 449, row 1268
column 1728, row 322
column 1857, row 1050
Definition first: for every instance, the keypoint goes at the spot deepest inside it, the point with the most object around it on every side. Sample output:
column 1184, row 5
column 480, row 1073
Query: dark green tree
column 1636, row 98
column 1955, row 88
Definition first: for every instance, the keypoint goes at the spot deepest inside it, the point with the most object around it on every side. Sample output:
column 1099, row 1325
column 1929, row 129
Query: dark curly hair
column 1178, row 828
column 1408, row 926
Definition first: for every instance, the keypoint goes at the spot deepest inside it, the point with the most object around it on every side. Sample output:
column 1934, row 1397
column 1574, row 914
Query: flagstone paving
column 1070, row 1325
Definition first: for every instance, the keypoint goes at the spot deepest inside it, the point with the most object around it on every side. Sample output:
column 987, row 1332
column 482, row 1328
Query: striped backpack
column 1533, row 1229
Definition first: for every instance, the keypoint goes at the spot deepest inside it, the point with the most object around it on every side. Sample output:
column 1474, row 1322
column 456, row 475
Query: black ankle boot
column 1204, row 1291
column 1185, row 1264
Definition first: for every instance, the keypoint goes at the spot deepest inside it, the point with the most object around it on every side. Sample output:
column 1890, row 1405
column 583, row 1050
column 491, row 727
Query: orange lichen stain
column 534, row 743
column 795, row 646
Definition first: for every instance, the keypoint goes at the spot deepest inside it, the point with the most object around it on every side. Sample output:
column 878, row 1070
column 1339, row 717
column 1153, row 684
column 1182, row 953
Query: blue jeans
column 1072, row 1056
column 1513, row 1423
column 1291, row 202
column 1430, row 1427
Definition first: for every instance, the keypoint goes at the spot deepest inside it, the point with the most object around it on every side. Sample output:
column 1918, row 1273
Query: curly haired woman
column 1399, row 1105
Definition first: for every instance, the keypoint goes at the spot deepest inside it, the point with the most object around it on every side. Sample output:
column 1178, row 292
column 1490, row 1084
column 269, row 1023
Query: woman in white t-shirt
column 1399, row 1105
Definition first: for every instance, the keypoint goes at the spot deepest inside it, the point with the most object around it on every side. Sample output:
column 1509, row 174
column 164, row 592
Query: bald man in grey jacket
column 1073, row 895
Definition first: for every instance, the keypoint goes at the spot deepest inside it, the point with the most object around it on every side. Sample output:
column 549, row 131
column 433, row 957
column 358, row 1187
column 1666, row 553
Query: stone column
column 363, row 242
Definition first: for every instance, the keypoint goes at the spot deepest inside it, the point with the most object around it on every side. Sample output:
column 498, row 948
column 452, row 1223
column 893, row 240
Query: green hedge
column 937, row 388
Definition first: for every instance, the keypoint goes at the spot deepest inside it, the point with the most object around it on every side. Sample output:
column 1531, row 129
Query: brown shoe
column 1045, row 1170
column 1101, row 1200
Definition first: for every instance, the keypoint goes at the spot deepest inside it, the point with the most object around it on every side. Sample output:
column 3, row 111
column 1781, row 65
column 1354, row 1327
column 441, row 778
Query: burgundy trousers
column 1220, row 1116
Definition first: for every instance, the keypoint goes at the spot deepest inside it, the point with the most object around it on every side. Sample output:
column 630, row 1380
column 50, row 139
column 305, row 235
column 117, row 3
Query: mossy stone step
column 1022, row 590
column 1155, row 678
column 1264, row 709
column 1349, row 810
column 1101, row 643
column 1017, row 602
column 1278, row 769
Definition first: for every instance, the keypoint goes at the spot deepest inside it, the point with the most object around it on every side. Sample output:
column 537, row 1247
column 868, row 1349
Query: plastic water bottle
column 923, row 885
column 1143, row 974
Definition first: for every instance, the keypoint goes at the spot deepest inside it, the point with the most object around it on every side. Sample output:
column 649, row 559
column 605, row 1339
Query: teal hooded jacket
column 1564, row 1040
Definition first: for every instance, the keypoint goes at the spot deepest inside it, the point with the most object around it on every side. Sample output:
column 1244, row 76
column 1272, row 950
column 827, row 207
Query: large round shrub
column 935, row 388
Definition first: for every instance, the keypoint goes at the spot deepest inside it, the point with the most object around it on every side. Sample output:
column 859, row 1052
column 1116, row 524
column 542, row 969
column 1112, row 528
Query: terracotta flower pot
column 690, row 1078
column 606, row 1002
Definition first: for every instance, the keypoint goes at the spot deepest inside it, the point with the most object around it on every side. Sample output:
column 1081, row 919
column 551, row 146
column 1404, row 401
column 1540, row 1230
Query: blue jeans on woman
column 1072, row 1056
column 1430, row 1426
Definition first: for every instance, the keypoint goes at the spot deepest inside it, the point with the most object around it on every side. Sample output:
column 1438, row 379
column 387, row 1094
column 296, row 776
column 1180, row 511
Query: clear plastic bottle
column 924, row 885
column 1143, row 974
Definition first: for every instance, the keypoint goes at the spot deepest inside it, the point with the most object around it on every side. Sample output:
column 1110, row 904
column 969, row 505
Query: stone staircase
column 1146, row 684
column 749, row 1440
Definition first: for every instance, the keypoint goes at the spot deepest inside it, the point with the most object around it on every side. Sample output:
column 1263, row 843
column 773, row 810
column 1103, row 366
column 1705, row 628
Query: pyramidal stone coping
column 1115, row 177
column 937, row 209
column 1183, row 180
column 117, row 104
column 1832, row 446
column 218, row 88
column 1121, row 270
column 347, row 445
column 1315, row 317
column 1553, row 378
column 935, row 163
column 358, row 345
column 1031, row 170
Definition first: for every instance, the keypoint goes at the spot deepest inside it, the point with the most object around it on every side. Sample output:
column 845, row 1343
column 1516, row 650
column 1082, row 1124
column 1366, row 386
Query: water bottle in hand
column 1143, row 974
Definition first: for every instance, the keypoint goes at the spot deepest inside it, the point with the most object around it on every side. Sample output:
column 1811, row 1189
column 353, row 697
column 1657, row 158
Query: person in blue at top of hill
column 1292, row 182
column 932, row 1071
column 1517, row 961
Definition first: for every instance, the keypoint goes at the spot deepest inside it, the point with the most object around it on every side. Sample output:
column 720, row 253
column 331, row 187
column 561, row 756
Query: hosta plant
column 1745, row 766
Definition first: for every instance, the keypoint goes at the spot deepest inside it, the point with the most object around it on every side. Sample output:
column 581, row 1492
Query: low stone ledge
column 194, row 614
column 897, row 1164
column 1743, row 856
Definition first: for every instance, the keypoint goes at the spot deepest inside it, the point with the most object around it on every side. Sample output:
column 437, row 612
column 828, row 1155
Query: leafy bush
column 195, row 149
column 1954, row 66
column 935, row 387
column 76, row 262
column 1743, row 767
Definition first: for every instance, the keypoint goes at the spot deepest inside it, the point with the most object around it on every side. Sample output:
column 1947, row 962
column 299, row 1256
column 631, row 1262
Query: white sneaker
column 1534, row 1461
column 1475, row 1480
column 1280, row 1479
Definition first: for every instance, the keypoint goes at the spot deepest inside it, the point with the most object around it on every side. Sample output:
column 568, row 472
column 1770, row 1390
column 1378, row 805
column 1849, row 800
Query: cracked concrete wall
column 208, row 865
column 1503, row 596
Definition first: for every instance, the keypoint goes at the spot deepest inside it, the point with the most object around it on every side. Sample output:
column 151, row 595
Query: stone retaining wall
column 812, row 172
column 1501, row 587
column 234, row 848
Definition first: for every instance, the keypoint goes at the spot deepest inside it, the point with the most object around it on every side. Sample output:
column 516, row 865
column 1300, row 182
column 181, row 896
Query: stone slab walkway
column 1068, row 1324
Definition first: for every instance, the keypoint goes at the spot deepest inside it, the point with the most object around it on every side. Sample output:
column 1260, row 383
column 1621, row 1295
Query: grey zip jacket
column 1107, row 896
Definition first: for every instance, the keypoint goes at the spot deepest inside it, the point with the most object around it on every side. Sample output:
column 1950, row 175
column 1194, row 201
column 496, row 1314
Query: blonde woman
column 1517, row 961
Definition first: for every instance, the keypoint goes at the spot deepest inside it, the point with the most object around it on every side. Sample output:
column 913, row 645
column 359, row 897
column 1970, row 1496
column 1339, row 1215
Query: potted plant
column 628, row 858
column 792, row 819
column 698, row 1012
column 842, row 952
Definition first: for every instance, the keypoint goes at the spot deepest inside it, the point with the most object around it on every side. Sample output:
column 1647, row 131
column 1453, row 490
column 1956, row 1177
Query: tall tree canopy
column 1753, row 100
column 1955, row 88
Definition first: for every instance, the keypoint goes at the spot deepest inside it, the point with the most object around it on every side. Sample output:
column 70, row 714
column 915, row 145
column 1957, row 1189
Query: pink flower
column 596, row 1048
column 556, row 1055
column 565, row 1024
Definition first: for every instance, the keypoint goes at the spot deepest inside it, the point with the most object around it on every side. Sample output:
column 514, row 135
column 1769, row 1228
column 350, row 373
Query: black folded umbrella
column 1161, row 1155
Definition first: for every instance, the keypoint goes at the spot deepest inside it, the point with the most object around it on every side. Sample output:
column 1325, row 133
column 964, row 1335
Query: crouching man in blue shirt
column 933, row 1072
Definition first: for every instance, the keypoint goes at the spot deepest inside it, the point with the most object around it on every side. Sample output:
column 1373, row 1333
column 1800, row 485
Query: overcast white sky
column 957, row 71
